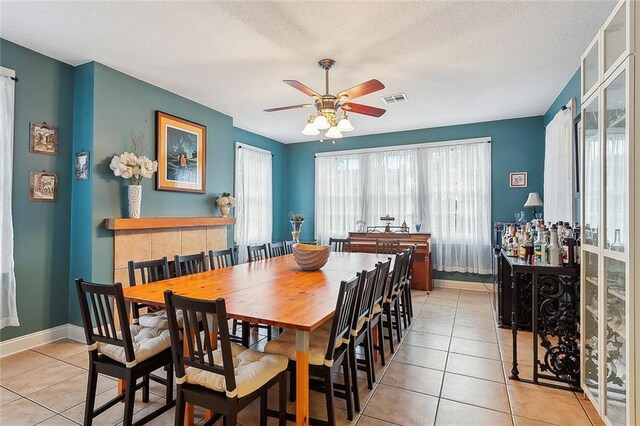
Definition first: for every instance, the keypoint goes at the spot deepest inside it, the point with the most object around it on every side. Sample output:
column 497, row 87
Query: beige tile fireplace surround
column 153, row 238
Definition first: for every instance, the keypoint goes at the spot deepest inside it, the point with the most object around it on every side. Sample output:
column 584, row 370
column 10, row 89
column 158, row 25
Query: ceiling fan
column 327, row 105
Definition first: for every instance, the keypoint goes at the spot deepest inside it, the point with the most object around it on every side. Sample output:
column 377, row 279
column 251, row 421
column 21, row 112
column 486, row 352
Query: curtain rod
column 423, row 145
column 16, row 79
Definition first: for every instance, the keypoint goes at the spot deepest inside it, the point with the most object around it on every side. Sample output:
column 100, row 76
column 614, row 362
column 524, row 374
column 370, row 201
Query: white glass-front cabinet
column 609, row 236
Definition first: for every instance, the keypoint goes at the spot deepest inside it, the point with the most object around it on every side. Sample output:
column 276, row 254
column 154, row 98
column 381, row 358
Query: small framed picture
column 44, row 139
column 43, row 186
column 82, row 165
column 518, row 179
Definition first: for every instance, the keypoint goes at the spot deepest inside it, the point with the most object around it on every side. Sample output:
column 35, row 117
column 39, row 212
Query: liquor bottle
column 555, row 252
column 563, row 243
column 538, row 247
column 568, row 247
column 617, row 243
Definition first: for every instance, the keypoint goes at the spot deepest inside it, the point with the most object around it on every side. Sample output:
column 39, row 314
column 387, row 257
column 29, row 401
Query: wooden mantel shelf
column 119, row 224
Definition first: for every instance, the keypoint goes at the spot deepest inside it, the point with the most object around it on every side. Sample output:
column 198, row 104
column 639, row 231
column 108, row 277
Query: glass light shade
column 344, row 125
column 321, row 122
column 310, row 130
column 333, row 133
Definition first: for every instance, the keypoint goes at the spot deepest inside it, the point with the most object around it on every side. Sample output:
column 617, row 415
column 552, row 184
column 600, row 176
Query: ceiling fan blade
column 288, row 107
column 301, row 87
column 362, row 89
column 363, row 109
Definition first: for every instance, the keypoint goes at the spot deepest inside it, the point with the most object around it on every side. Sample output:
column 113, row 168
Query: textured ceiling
column 458, row 62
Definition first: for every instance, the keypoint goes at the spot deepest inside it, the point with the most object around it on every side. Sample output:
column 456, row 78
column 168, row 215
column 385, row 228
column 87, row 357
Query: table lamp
column 533, row 201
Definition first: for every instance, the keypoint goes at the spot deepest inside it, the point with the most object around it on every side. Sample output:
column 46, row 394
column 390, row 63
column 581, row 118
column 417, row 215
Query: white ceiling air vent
column 394, row 99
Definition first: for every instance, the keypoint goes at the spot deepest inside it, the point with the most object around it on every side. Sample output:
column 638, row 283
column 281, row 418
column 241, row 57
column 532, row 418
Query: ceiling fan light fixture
column 333, row 133
column 310, row 129
column 344, row 125
column 321, row 122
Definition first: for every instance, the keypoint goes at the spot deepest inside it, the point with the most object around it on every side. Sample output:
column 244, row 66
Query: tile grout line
column 444, row 373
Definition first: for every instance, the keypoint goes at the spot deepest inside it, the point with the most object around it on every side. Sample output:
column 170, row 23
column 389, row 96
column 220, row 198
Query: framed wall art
column 181, row 154
column 43, row 139
column 82, row 165
column 43, row 186
column 518, row 179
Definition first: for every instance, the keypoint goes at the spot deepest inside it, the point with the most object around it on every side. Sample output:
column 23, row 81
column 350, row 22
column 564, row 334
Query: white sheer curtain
column 457, row 181
column 339, row 195
column 559, row 159
column 8, row 309
column 254, row 212
column 447, row 188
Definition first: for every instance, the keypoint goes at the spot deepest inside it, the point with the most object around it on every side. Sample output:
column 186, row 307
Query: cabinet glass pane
column 591, row 68
column 616, row 342
column 615, row 41
column 590, row 263
column 591, row 191
column 616, row 164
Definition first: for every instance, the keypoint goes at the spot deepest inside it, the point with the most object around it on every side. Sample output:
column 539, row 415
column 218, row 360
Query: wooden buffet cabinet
column 422, row 277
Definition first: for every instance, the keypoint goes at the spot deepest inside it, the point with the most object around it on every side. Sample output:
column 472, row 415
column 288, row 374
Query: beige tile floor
column 451, row 369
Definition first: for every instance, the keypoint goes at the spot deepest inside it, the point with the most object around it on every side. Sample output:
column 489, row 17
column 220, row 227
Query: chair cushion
column 377, row 309
column 159, row 319
column 252, row 369
column 147, row 342
column 285, row 344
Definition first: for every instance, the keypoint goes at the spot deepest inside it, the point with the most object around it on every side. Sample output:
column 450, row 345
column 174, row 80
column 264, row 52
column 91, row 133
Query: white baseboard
column 461, row 285
column 75, row 332
column 39, row 338
column 30, row 341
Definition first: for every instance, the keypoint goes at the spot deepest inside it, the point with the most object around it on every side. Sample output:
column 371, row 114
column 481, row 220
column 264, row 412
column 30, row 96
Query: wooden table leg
column 302, row 378
column 374, row 340
column 188, row 411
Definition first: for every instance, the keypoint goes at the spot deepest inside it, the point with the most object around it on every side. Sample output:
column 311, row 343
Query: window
column 253, row 197
column 444, row 186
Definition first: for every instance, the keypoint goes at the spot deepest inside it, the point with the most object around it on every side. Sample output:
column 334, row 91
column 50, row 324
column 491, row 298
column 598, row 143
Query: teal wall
column 81, row 191
column 41, row 230
column 570, row 90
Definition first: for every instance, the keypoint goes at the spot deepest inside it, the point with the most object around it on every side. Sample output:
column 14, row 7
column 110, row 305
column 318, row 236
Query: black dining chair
column 288, row 246
column 219, row 259
column 340, row 244
column 375, row 318
column 361, row 333
column 277, row 249
column 258, row 252
column 335, row 345
column 149, row 271
column 190, row 264
column 221, row 376
column 391, row 304
column 384, row 246
column 130, row 354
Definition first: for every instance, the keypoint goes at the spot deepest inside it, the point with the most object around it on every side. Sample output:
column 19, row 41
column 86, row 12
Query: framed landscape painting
column 181, row 154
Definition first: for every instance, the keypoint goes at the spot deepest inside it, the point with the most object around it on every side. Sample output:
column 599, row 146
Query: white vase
column 135, row 199
column 224, row 210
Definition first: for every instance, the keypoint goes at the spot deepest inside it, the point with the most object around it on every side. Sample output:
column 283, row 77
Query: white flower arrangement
column 226, row 200
column 133, row 167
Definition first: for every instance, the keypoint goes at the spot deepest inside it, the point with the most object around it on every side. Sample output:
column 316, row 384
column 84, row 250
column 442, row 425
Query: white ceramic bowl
column 310, row 257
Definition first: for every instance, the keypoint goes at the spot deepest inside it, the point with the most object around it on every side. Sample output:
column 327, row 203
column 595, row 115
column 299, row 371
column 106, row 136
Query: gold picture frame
column 43, row 186
column 181, row 149
column 43, row 138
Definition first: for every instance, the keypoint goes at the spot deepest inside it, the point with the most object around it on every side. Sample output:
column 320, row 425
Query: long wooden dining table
column 275, row 292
